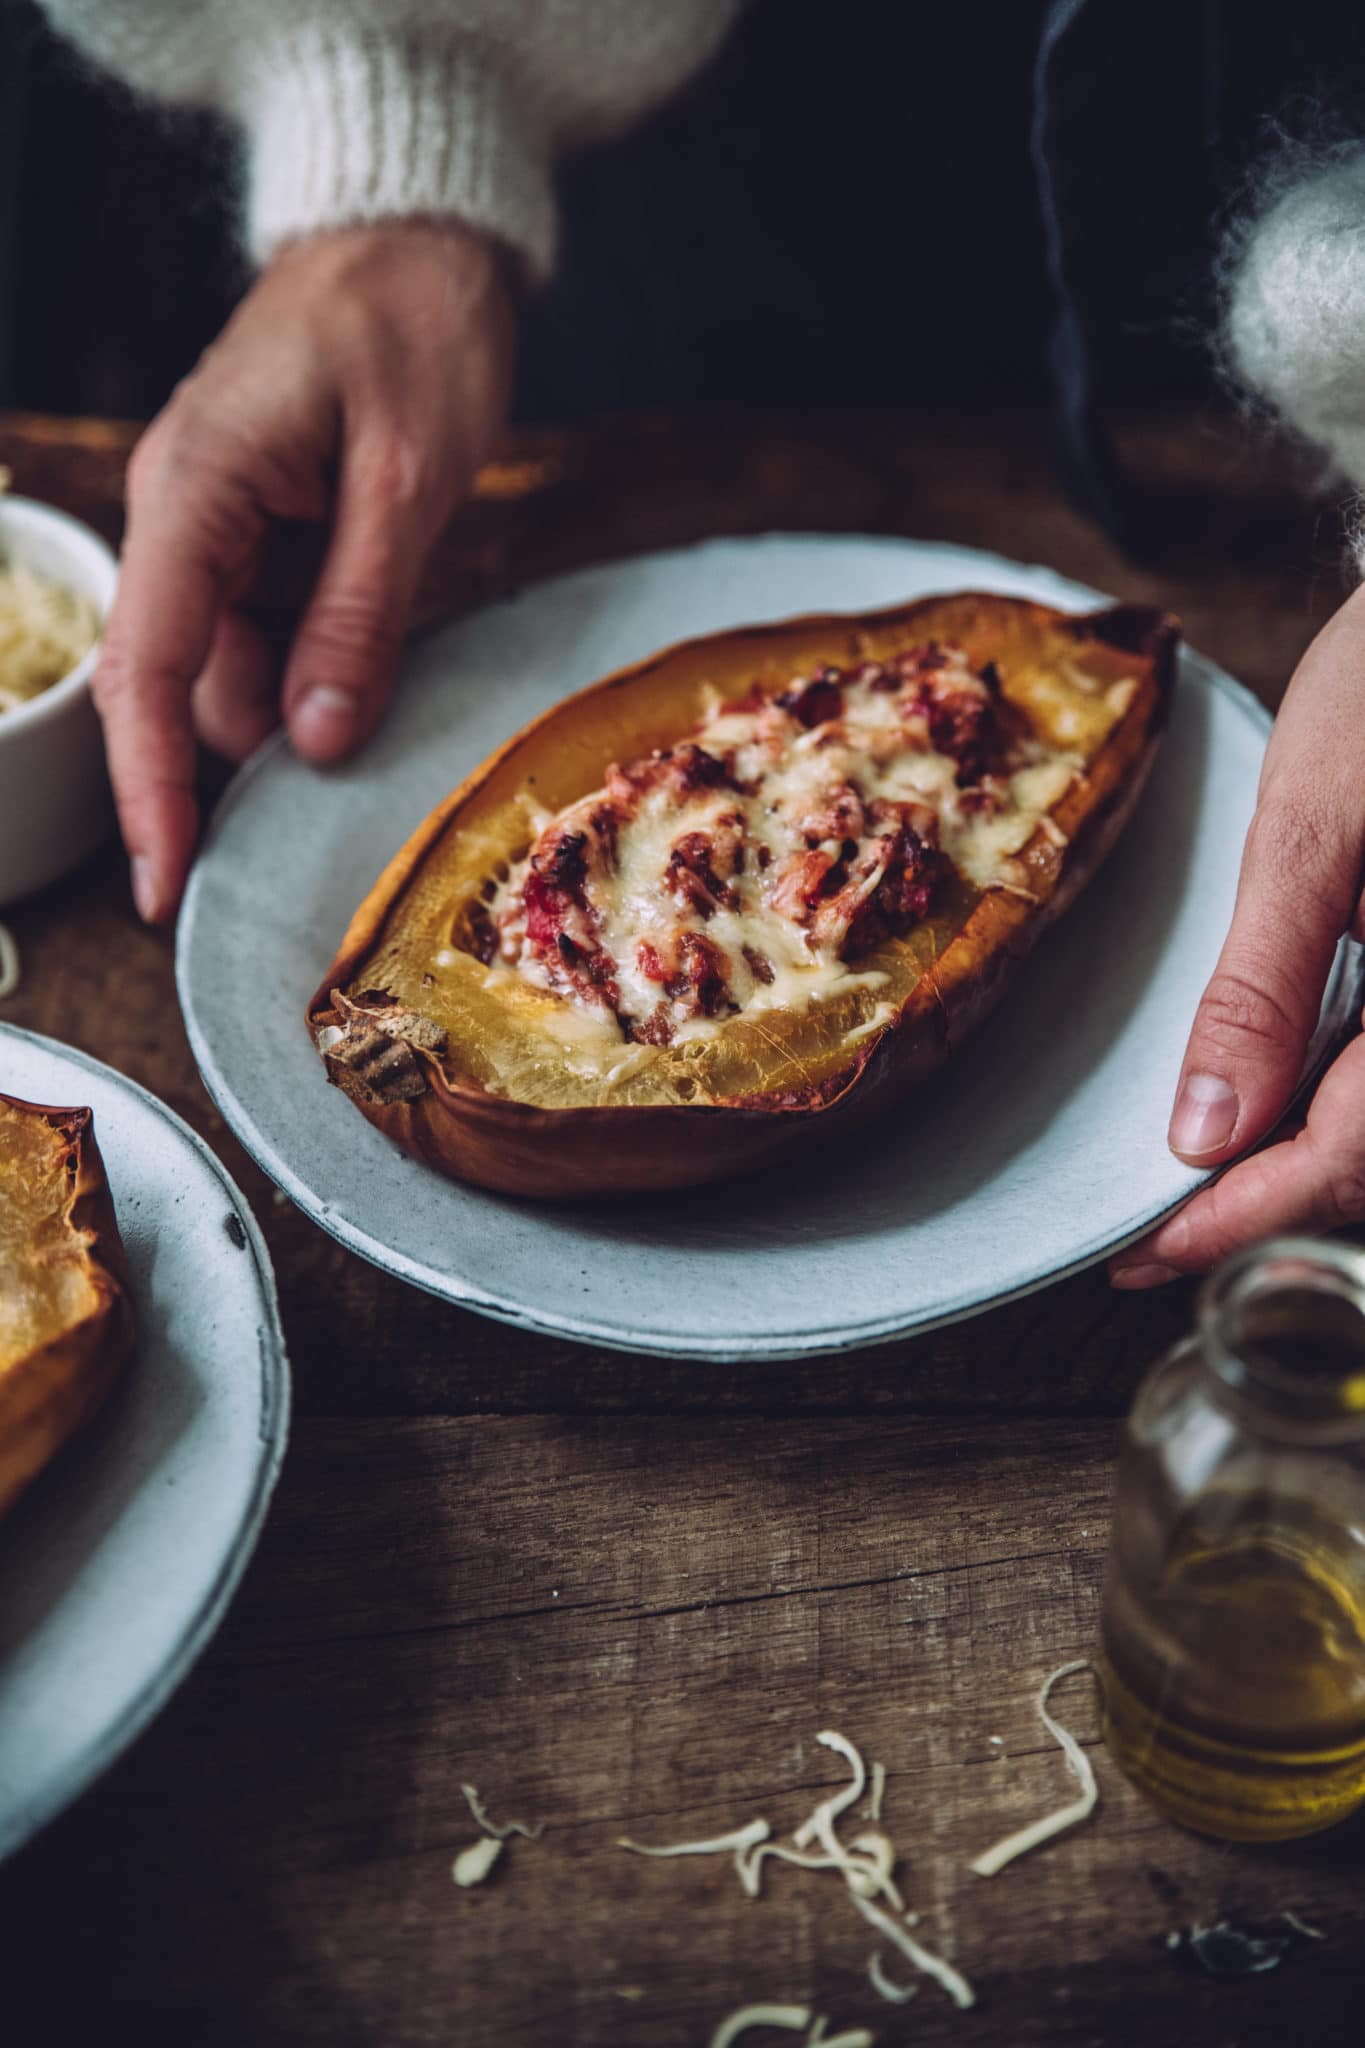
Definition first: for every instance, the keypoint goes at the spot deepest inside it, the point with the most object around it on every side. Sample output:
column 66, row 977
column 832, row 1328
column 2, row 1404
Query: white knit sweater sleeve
column 361, row 110
column 1295, row 311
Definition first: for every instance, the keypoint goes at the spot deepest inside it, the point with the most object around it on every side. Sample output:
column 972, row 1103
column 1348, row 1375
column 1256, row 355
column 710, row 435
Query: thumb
column 341, row 669
column 1295, row 898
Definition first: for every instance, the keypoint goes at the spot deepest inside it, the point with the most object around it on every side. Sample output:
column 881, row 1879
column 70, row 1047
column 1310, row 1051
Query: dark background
column 842, row 211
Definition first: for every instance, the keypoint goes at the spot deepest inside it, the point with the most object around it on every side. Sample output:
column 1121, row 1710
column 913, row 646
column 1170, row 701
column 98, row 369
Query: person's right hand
column 1301, row 887
column 361, row 382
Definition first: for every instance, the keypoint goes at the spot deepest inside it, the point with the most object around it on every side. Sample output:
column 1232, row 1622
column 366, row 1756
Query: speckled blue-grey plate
column 118, row 1565
column 1040, row 1148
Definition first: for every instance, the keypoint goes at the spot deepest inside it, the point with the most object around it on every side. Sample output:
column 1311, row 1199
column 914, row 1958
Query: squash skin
column 519, row 1148
column 50, row 1391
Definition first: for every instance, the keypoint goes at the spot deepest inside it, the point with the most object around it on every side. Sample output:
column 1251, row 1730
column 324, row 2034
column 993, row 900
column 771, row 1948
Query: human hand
column 1300, row 889
column 360, row 382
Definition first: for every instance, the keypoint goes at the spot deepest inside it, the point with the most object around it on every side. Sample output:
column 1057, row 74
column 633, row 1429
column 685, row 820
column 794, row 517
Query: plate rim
column 830, row 1340
column 90, row 1763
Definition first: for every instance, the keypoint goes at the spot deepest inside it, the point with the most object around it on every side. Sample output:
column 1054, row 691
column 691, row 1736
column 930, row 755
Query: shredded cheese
column 510, row 1827
column 894, row 1994
column 9, row 964
column 473, row 1864
column 953, row 1982
column 873, row 1809
column 1304, row 1927
column 45, row 630
column 882, row 1858
column 868, row 1876
column 1081, row 1769
column 739, row 1839
column 865, row 1864
column 820, row 1826
column 796, row 2018
column 749, row 1866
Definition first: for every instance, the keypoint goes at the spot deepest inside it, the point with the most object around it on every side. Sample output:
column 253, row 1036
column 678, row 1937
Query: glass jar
column 1232, row 1652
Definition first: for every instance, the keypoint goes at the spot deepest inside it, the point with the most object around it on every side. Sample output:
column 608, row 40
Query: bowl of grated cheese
column 56, row 583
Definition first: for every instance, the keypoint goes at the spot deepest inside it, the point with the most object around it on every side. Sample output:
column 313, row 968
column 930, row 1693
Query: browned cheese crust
column 68, row 1331
column 412, row 1076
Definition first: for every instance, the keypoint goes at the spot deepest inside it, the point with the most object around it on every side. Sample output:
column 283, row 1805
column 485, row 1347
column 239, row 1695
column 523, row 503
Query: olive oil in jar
column 1232, row 1656
column 1235, row 1695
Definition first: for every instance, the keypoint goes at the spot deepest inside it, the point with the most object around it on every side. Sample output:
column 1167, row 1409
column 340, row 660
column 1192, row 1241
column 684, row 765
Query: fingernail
column 1204, row 1116
column 146, row 895
column 1152, row 1274
column 326, row 717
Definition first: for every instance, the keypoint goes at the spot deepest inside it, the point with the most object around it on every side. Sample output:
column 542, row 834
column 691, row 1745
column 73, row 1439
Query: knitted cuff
column 351, row 125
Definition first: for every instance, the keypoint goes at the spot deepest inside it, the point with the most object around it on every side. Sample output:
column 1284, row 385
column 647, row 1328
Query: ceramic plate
column 119, row 1564
column 1041, row 1148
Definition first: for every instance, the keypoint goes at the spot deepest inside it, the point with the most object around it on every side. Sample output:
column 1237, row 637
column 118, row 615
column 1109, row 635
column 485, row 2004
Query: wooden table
column 620, row 1594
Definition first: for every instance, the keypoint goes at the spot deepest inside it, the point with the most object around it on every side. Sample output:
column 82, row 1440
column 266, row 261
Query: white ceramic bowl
column 55, row 806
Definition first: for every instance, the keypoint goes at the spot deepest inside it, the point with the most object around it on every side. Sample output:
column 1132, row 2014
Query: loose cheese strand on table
column 867, row 1873
column 1081, row 1769
column 820, row 1826
column 510, row 1827
column 865, row 1865
column 748, row 1862
column 869, row 1876
column 882, row 1859
column 873, row 1810
column 953, row 1982
column 894, row 1994
column 794, row 2017
column 738, row 1839
column 473, row 1864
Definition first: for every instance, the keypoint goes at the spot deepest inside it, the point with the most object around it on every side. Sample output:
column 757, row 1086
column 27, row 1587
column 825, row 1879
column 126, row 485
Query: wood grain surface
column 623, row 1595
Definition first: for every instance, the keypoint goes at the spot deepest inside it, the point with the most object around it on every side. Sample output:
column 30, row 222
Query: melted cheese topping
column 785, row 777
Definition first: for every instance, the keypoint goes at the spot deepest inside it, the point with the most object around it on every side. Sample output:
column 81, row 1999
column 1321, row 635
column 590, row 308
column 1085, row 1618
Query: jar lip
column 1258, row 1271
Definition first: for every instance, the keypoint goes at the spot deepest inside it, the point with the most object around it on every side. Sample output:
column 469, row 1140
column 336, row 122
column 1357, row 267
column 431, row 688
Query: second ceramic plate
column 1040, row 1149
column 119, row 1564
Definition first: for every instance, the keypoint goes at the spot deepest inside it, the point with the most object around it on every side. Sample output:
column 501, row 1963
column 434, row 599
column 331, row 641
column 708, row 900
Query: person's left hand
column 357, row 387
column 1300, row 889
